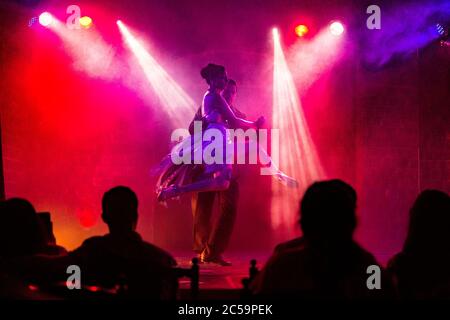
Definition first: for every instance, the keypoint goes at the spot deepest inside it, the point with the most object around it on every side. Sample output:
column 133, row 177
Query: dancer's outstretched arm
column 225, row 110
column 267, row 161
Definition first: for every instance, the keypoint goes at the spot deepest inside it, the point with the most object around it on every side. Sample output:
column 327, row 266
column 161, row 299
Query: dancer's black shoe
column 216, row 260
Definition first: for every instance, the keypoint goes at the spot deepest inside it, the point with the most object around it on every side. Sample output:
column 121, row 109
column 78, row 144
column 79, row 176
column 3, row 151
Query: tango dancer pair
column 207, row 180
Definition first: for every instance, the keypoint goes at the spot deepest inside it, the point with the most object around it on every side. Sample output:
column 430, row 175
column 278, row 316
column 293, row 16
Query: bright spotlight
column 45, row 19
column 175, row 101
column 336, row 28
column 301, row 30
column 309, row 60
column 440, row 30
column 86, row 22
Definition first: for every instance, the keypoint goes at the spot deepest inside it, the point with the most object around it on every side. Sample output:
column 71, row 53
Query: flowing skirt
column 212, row 156
column 171, row 172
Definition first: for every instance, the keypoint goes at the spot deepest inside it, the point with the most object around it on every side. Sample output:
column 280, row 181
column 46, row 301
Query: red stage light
column 301, row 30
column 45, row 19
column 87, row 218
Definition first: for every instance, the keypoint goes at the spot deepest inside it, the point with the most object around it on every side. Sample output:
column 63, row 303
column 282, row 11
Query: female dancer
column 175, row 180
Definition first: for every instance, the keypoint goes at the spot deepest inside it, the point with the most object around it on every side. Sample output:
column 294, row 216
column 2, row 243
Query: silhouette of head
column 328, row 212
column 215, row 75
column 429, row 223
column 230, row 92
column 20, row 231
column 119, row 206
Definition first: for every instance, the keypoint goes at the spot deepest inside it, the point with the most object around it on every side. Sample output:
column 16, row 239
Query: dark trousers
column 214, row 238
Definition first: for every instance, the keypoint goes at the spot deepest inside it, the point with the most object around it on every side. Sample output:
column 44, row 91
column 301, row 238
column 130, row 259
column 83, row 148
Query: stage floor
column 217, row 282
column 214, row 277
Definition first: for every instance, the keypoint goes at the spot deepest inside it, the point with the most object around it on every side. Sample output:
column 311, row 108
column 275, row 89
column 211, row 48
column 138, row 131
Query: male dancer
column 211, row 241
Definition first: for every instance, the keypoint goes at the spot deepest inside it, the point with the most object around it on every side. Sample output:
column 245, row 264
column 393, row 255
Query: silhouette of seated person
column 21, row 236
column 119, row 258
column 289, row 245
column 326, row 263
column 21, row 231
column 51, row 248
column 422, row 269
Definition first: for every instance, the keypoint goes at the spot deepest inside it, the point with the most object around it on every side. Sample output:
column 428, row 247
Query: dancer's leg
column 224, row 224
column 202, row 208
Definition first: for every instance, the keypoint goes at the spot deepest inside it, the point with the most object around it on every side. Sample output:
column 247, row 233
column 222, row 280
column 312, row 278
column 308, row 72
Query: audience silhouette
column 122, row 255
column 119, row 258
column 326, row 262
column 21, row 235
column 22, row 232
column 421, row 269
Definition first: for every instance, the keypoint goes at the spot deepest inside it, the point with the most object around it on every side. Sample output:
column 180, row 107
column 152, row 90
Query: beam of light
column 336, row 28
column 275, row 33
column 89, row 51
column 298, row 157
column 45, row 19
column 310, row 59
column 176, row 102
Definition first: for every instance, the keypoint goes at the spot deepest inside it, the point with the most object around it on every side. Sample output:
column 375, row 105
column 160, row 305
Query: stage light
column 445, row 44
column 297, row 153
column 174, row 100
column 440, row 29
column 309, row 60
column 336, row 28
column 301, row 30
column 45, row 19
column 86, row 22
column 87, row 217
